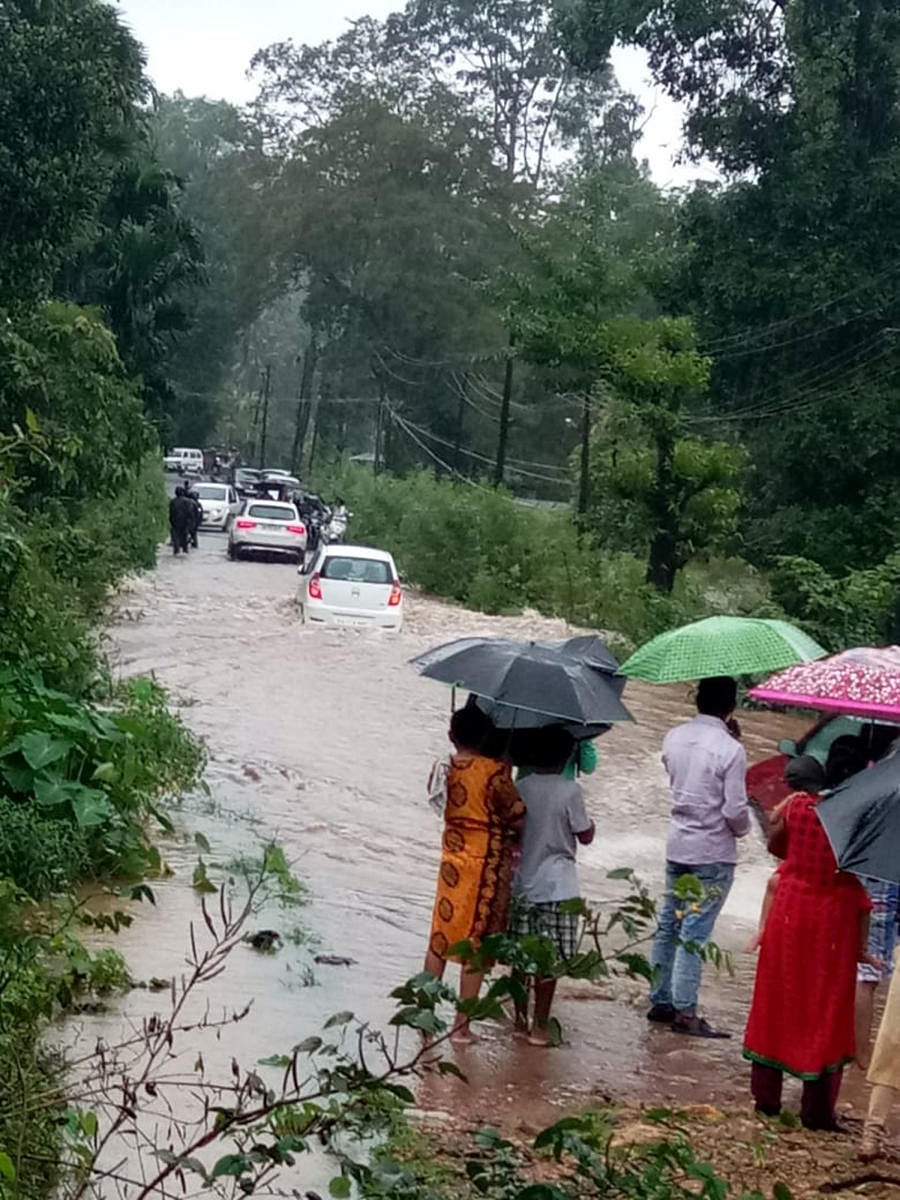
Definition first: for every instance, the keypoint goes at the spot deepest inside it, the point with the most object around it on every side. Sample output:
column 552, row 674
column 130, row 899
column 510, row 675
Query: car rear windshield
column 272, row 512
column 211, row 491
column 356, row 570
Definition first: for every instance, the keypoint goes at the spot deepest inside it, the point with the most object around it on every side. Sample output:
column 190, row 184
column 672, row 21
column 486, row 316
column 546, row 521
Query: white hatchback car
column 219, row 502
column 352, row 585
column 267, row 525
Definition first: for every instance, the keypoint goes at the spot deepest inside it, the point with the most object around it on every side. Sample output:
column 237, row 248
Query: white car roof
column 256, row 501
column 339, row 550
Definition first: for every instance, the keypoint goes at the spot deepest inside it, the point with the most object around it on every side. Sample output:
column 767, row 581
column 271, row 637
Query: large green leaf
column 18, row 775
column 50, row 790
column 90, row 806
column 41, row 749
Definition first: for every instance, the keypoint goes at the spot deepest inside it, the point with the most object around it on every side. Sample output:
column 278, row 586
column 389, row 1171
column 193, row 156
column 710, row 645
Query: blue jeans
column 678, row 979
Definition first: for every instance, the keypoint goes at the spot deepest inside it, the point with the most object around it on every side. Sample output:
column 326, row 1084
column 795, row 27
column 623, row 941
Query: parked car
column 765, row 779
column 267, row 525
column 186, row 460
column 220, row 503
column 245, row 480
column 351, row 585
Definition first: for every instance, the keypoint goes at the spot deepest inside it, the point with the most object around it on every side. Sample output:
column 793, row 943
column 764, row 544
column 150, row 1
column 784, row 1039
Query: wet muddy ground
column 322, row 739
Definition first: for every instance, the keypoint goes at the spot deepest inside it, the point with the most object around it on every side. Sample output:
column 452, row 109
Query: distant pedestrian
column 545, row 887
column 707, row 767
column 180, row 515
column 196, row 518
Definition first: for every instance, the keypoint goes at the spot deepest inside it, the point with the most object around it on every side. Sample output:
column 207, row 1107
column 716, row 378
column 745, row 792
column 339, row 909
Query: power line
column 755, row 335
column 822, row 385
column 485, row 458
column 803, row 404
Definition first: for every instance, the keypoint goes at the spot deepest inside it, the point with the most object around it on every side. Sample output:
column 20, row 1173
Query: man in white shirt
column 707, row 769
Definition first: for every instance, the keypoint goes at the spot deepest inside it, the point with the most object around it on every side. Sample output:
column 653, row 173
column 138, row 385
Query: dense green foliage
column 96, row 267
column 483, row 548
column 70, row 79
column 429, row 286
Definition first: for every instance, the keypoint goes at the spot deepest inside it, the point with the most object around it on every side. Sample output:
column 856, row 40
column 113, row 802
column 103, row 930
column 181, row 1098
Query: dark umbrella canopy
column 533, row 677
column 862, row 820
column 506, row 716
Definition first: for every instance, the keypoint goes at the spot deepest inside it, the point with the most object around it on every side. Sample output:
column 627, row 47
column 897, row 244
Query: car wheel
column 233, row 553
column 302, row 614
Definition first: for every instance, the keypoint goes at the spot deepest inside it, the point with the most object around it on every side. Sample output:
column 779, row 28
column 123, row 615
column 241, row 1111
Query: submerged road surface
column 323, row 739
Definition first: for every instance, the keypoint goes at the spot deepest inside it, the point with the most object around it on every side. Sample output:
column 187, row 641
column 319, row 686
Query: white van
column 189, row 461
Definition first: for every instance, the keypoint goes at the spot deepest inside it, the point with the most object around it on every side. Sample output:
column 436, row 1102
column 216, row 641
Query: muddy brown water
column 323, row 738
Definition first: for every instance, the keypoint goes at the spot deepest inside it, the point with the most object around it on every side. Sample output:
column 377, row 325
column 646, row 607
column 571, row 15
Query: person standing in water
column 545, row 886
column 180, row 512
column 482, row 822
column 707, row 769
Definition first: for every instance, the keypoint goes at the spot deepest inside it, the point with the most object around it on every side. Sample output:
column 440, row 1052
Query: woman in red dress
column 802, row 1016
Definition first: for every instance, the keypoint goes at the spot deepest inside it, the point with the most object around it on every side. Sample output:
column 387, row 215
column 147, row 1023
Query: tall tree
column 144, row 271
column 70, row 78
column 216, row 153
column 789, row 270
column 509, row 68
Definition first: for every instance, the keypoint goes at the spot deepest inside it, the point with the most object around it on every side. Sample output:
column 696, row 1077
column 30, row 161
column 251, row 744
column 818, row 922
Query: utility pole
column 267, row 379
column 584, row 482
column 301, row 423
column 255, row 426
column 503, row 436
column 462, row 387
column 379, row 426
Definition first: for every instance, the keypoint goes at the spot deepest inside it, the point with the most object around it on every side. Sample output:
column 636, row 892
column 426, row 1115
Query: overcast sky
column 204, row 47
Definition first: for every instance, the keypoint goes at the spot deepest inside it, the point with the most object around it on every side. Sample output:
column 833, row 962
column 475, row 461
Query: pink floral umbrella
column 864, row 681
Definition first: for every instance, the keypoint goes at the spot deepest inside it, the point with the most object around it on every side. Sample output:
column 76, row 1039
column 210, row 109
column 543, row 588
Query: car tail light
column 315, row 588
column 243, row 523
column 298, row 529
column 396, row 595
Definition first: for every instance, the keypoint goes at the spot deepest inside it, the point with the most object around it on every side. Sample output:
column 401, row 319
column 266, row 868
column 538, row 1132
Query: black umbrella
column 862, row 820
column 507, row 716
column 534, row 677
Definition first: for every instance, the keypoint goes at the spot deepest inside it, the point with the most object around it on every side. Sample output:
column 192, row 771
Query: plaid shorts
column 885, row 898
column 546, row 920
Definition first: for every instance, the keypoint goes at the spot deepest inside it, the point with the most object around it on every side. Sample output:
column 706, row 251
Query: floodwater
column 323, row 739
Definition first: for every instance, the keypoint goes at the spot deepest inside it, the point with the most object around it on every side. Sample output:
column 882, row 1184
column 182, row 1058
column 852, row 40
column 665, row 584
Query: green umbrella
column 721, row 646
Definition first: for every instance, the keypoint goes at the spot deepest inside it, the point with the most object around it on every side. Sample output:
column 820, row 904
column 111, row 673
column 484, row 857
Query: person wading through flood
column 707, row 767
column 181, row 511
column 196, row 518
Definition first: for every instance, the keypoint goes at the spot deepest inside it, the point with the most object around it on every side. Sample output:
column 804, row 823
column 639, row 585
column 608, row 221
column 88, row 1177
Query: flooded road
column 323, row 738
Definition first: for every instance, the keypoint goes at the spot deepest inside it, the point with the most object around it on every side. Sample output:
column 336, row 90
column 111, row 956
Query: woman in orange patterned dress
column 482, row 822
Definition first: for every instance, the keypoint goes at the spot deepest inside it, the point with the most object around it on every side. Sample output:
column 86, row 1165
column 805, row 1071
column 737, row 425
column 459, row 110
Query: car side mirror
column 788, row 746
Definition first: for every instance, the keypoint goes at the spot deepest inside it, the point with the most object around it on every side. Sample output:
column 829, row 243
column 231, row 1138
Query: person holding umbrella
column 545, row 888
column 707, row 766
column 802, row 1014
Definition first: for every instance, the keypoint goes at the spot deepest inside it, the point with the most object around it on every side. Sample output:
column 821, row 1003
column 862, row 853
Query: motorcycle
column 336, row 529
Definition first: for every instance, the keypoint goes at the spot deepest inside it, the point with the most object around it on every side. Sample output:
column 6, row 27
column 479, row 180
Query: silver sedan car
column 268, row 525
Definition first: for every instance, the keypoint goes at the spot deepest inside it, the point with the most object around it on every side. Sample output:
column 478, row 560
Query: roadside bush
column 483, row 548
column 860, row 609
column 96, row 775
column 62, row 569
